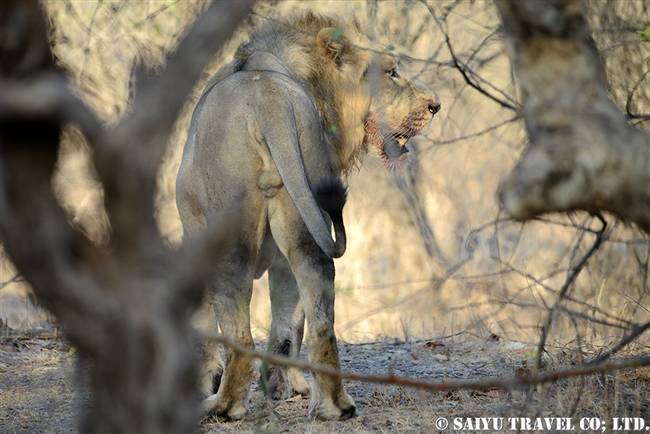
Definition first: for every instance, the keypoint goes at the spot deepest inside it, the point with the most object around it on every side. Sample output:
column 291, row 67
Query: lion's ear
column 330, row 41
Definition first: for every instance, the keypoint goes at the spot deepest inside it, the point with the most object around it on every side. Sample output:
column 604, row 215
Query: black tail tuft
column 331, row 194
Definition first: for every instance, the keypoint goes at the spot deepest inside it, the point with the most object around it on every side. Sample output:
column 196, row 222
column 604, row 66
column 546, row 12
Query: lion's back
column 228, row 134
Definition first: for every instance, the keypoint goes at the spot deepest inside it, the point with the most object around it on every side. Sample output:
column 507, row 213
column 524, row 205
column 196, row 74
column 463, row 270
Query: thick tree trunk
column 583, row 153
column 127, row 307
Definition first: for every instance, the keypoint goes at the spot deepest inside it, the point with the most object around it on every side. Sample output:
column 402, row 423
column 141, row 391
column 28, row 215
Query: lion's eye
column 392, row 73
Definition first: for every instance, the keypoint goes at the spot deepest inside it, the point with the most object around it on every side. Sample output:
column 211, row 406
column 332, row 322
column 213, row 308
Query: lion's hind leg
column 315, row 277
column 314, row 274
column 287, row 328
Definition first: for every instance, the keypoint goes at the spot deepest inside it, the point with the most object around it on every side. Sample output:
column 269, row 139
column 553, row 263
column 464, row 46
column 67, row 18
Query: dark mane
column 293, row 40
column 276, row 35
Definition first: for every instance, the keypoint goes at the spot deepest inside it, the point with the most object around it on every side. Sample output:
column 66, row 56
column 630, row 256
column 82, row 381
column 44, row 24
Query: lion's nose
column 434, row 106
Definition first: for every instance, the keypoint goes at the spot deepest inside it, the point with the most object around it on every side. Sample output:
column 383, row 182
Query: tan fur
column 303, row 101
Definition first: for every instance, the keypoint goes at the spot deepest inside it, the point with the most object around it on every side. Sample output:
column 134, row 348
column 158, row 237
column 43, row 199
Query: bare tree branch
column 517, row 382
column 464, row 70
column 583, row 154
column 16, row 278
column 137, row 143
column 571, row 277
column 631, row 335
column 127, row 307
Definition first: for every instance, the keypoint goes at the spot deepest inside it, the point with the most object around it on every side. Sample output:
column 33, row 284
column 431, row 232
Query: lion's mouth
column 402, row 139
column 392, row 148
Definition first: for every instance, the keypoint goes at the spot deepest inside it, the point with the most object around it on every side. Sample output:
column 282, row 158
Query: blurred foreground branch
column 126, row 307
column 517, row 382
column 583, row 153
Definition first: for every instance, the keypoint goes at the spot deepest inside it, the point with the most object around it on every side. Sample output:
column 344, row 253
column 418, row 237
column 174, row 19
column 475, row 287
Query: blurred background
column 430, row 253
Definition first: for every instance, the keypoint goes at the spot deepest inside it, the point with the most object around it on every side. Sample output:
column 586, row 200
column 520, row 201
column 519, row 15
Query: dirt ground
column 39, row 392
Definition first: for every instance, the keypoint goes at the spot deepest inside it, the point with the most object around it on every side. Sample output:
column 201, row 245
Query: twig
column 473, row 135
column 563, row 291
column 17, row 278
column 631, row 336
column 630, row 96
column 462, row 68
column 48, row 333
column 561, row 295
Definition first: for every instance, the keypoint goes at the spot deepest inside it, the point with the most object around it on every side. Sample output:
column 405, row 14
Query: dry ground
column 39, row 391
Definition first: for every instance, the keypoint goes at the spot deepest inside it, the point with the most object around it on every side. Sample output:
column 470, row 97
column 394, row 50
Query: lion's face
column 401, row 107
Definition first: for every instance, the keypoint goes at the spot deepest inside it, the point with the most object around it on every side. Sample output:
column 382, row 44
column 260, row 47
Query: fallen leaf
column 624, row 377
column 642, row 374
column 35, row 348
column 440, row 357
column 496, row 393
column 296, row 398
column 415, row 357
column 432, row 346
column 523, row 372
column 451, row 396
column 490, row 393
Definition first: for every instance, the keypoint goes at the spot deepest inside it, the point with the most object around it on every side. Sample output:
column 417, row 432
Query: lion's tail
column 331, row 195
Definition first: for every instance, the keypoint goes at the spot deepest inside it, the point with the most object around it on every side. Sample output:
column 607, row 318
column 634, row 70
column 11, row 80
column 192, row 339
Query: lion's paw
column 298, row 384
column 282, row 384
column 344, row 409
column 214, row 404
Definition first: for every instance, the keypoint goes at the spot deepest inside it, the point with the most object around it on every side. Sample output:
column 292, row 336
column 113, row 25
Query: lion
column 274, row 135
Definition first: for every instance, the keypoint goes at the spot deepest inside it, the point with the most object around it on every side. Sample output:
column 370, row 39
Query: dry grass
column 388, row 286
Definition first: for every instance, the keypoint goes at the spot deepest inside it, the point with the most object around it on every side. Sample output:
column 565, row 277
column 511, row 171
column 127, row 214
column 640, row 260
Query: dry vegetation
column 489, row 276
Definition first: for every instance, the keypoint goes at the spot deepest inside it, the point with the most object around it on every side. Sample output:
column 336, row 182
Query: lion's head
column 377, row 104
column 401, row 107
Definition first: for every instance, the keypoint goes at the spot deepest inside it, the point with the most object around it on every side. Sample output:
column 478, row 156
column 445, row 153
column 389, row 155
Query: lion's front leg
column 210, row 364
column 210, row 368
column 287, row 328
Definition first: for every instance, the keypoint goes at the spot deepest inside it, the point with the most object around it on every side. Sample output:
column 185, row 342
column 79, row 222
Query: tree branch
column 127, row 308
column 135, row 147
column 517, row 382
column 583, row 153
column 571, row 277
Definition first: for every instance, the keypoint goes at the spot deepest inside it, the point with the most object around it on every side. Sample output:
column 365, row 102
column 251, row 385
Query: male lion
column 272, row 135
